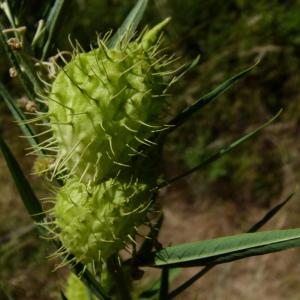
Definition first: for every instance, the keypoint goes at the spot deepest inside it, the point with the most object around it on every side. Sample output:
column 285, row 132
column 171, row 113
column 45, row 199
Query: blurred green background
column 230, row 36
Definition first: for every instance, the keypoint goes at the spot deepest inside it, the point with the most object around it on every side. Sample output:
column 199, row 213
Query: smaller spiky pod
column 105, row 104
column 98, row 220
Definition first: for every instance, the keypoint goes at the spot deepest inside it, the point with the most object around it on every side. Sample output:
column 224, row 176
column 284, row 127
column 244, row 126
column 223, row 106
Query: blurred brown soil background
column 224, row 198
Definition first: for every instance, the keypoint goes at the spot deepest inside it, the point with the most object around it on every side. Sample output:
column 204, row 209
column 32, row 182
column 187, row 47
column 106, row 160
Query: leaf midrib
column 215, row 253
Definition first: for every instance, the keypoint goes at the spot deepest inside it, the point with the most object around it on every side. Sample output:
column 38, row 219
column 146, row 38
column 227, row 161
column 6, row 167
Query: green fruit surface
column 95, row 222
column 103, row 106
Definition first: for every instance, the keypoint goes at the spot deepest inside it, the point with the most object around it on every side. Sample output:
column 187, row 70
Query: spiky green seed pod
column 105, row 104
column 95, row 221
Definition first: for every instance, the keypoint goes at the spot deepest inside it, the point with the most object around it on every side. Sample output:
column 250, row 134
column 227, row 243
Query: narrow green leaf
column 17, row 6
column 34, row 208
column 5, row 7
column 226, row 249
column 269, row 215
column 18, row 115
column 130, row 24
column 189, row 111
column 164, row 284
column 51, row 25
column 28, row 197
column 219, row 153
column 190, row 281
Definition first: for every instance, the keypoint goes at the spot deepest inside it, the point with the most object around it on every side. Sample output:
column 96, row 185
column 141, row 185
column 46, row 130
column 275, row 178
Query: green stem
column 119, row 279
column 164, row 284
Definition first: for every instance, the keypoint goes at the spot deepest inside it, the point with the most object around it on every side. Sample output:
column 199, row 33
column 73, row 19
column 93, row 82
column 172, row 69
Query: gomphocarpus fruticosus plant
column 106, row 115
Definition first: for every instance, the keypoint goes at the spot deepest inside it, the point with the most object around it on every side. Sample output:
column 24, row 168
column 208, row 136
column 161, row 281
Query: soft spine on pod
column 103, row 106
column 96, row 221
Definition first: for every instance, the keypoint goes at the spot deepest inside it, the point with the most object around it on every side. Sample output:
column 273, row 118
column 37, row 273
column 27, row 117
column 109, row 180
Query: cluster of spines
column 49, row 146
column 94, row 215
column 55, row 164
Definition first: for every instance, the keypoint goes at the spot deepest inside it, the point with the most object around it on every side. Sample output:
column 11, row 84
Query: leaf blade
column 28, row 197
column 222, row 151
column 206, row 99
column 130, row 24
column 51, row 25
column 271, row 213
column 226, row 249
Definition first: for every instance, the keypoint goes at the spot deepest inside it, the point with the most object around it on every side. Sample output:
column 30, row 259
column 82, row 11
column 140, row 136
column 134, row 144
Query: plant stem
column 118, row 275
